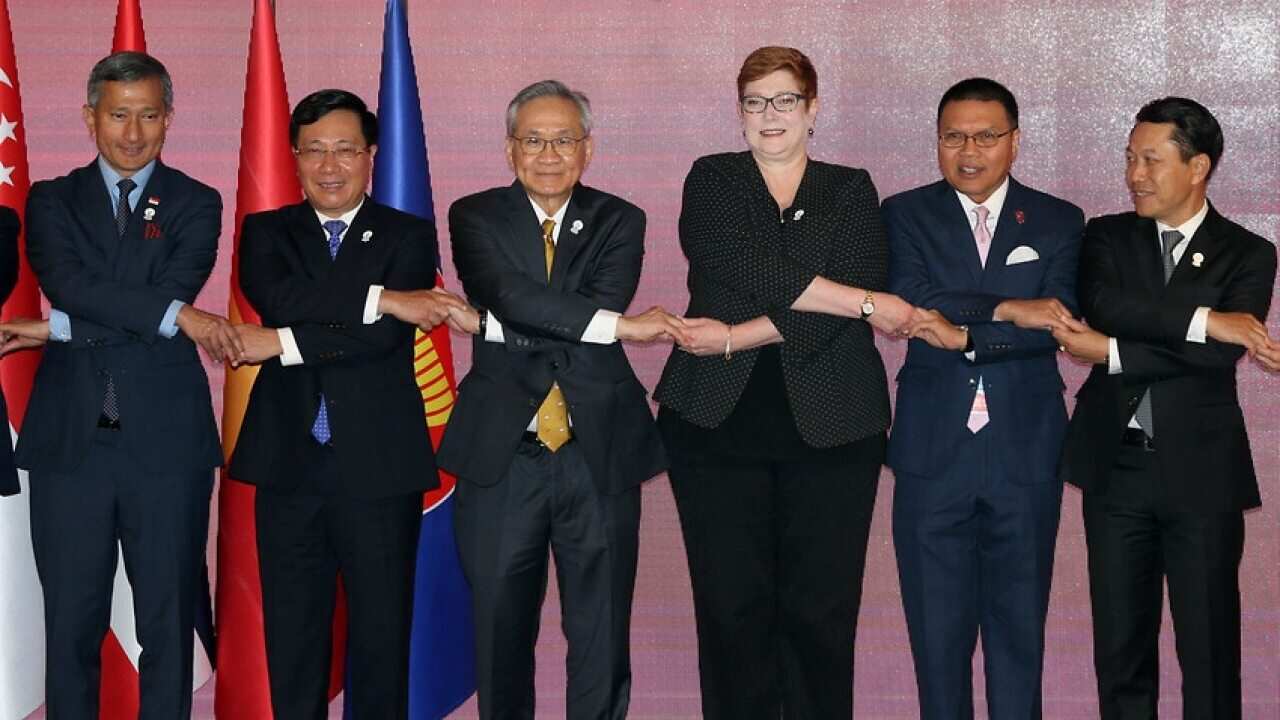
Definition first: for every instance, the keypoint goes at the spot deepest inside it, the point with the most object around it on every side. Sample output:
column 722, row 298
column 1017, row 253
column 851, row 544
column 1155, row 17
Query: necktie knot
column 982, row 212
column 335, row 228
column 549, row 241
column 126, row 186
column 1169, row 240
column 981, row 235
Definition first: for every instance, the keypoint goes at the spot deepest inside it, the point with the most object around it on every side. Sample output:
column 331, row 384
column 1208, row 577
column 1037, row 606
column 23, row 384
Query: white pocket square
column 1022, row 254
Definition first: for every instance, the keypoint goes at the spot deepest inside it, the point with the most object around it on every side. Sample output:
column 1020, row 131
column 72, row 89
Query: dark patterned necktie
column 320, row 428
column 110, row 401
column 1169, row 240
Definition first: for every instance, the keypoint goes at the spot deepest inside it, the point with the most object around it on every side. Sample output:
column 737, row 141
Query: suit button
column 555, row 364
column 972, row 382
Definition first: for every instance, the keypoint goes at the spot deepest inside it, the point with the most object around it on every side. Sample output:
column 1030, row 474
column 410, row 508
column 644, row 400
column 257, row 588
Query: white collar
column 994, row 204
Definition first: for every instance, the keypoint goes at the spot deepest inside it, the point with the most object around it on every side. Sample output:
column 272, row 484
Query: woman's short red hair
column 766, row 60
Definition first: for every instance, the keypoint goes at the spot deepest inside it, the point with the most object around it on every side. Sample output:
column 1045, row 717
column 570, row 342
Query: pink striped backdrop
column 660, row 75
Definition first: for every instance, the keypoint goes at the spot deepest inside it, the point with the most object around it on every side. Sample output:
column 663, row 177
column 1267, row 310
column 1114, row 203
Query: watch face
column 868, row 307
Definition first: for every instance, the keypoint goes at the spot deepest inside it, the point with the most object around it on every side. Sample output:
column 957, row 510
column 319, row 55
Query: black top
column 824, row 385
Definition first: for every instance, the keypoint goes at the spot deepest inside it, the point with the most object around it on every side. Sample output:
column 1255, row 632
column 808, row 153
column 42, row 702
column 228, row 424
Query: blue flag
column 442, row 650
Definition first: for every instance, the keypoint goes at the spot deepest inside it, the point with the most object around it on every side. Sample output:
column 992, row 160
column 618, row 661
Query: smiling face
column 777, row 136
column 333, row 187
column 1163, row 185
column 128, row 123
column 976, row 171
column 548, row 176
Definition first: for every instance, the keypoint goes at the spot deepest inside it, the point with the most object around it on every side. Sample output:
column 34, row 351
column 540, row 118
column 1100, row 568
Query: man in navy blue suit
column 119, row 436
column 980, row 413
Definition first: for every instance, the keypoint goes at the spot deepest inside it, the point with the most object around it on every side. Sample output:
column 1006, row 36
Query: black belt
column 1136, row 437
column 106, row 423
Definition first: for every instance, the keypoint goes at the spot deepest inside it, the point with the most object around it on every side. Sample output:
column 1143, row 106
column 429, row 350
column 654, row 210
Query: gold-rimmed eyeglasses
column 343, row 154
column 983, row 139
column 564, row 146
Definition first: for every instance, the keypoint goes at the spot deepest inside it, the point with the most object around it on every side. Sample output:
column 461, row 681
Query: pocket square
column 1022, row 254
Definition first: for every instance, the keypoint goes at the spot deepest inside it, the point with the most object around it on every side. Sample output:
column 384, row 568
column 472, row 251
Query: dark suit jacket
column 9, row 228
column 116, row 292
column 740, row 268
column 498, row 250
column 366, row 373
column 935, row 264
column 1201, row 445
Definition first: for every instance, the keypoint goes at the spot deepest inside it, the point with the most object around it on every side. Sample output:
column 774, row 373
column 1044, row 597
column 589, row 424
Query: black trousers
column 549, row 500
column 776, row 554
column 80, row 523
column 1136, row 543
column 304, row 541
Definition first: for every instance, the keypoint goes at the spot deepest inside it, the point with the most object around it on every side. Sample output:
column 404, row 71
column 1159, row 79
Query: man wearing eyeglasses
column 980, row 415
column 551, row 435
column 335, row 437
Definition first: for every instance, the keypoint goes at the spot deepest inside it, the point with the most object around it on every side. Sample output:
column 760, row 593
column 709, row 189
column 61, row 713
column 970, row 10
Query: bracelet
column 728, row 343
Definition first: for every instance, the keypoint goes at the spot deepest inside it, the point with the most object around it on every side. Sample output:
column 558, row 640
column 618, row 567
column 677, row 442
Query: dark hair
column 1195, row 129
column 983, row 89
column 128, row 67
column 766, row 60
column 322, row 102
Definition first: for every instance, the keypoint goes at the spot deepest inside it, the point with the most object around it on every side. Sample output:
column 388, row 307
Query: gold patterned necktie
column 553, row 416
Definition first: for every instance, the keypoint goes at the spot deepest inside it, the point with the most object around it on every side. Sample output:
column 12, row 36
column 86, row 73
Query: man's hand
column 22, row 333
column 933, row 328
column 211, row 332
column 465, row 320
column 1041, row 314
column 1238, row 328
column 892, row 313
column 260, row 344
column 651, row 325
column 425, row 308
column 1082, row 342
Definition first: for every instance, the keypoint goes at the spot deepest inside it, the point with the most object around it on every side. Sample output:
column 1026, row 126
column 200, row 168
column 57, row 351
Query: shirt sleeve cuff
column 169, row 323
column 603, row 328
column 1113, row 357
column 290, row 354
column 1198, row 329
column 59, row 325
column 371, row 314
column 493, row 329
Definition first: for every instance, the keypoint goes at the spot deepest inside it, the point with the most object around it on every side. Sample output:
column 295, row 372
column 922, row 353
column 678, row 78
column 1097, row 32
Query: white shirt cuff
column 371, row 314
column 290, row 355
column 1198, row 330
column 493, row 329
column 603, row 328
column 1113, row 357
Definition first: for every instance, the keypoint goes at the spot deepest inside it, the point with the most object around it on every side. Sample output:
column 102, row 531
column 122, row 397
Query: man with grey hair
column 119, row 435
column 551, row 435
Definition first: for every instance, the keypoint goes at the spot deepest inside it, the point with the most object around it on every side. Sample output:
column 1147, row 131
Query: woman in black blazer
column 774, row 412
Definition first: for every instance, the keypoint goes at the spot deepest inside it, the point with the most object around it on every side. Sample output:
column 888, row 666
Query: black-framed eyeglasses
column 983, row 139
column 564, row 146
column 782, row 102
column 315, row 154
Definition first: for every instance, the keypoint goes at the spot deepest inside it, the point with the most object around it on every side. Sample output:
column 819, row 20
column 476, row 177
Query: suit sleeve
column 1248, row 290
column 295, row 299
column 9, row 228
column 716, row 238
column 858, row 257
column 527, row 305
column 86, row 292
column 411, row 267
column 1119, row 312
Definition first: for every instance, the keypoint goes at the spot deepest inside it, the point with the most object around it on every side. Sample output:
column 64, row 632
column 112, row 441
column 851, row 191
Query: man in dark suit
column 10, row 225
column 335, row 435
column 552, row 435
column 1174, row 294
column 119, row 435
column 980, row 413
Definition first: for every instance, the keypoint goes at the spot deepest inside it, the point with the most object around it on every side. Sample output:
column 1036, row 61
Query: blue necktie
column 320, row 428
column 110, row 401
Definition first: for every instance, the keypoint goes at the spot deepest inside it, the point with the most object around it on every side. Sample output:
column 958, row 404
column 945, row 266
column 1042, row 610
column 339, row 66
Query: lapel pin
column 1197, row 260
column 799, row 214
column 149, row 214
column 1019, row 216
column 153, row 200
column 366, row 236
column 576, row 227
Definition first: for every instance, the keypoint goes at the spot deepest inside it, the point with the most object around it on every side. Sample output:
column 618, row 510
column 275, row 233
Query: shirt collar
column 1187, row 228
column 558, row 217
column 347, row 217
column 112, row 178
column 993, row 204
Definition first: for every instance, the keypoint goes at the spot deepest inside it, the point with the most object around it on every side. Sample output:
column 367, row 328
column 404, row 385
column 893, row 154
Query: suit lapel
column 309, row 237
column 93, row 206
column 578, row 228
column 1007, row 236
column 526, row 233
column 1146, row 256
column 960, row 248
column 1204, row 243
column 353, row 242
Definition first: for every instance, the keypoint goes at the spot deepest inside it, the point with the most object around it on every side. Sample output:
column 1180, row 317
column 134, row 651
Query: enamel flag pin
column 149, row 214
column 367, row 236
column 1197, row 260
column 576, row 227
column 1019, row 216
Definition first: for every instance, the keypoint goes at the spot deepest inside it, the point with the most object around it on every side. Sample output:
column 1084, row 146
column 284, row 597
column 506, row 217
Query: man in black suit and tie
column 335, row 434
column 119, row 436
column 980, row 414
column 1174, row 294
column 552, row 435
